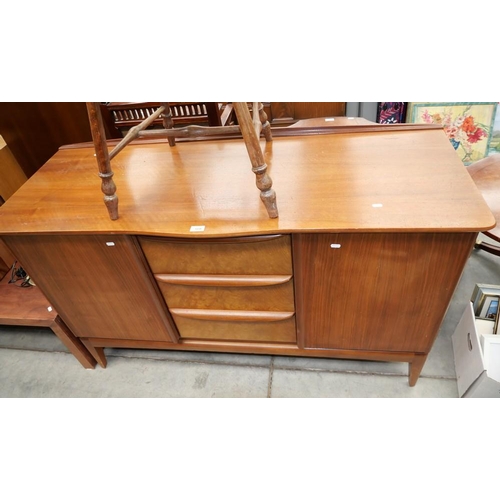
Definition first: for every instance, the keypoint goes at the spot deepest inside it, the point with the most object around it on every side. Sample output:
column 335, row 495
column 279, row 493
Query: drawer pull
column 222, row 280
column 227, row 315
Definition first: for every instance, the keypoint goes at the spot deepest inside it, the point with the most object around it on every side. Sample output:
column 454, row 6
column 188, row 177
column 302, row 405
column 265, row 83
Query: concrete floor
column 34, row 364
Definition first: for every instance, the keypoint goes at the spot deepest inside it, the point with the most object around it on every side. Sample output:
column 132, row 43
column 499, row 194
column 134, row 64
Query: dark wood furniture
column 375, row 228
column 119, row 117
column 35, row 130
column 12, row 176
column 287, row 113
column 486, row 175
column 7, row 259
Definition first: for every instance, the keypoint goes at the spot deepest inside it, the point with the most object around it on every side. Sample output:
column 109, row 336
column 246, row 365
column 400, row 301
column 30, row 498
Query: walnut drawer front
column 259, row 255
column 271, row 297
column 254, row 326
column 237, row 289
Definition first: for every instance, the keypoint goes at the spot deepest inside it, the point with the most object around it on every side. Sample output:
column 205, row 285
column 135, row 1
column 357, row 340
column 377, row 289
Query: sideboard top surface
column 397, row 181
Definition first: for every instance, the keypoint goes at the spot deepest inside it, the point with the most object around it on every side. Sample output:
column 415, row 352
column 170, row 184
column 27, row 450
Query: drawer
column 249, row 255
column 275, row 295
column 254, row 326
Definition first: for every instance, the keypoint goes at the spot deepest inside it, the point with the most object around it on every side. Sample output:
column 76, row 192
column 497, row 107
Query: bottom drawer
column 254, row 326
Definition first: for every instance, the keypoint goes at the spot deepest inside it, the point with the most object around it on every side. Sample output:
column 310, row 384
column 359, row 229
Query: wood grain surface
column 376, row 291
column 262, row 347
column 12, row 176
column 99, row 290
column 244, row 256
column 34, row 130
column 266, row 298
column 387, row 181
column 275, row 330
column 24, row 306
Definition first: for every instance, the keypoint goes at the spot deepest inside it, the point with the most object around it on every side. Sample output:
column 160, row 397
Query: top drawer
column 246, row 256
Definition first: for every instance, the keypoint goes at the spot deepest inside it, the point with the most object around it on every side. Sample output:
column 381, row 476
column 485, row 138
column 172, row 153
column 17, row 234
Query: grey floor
column 34, row 364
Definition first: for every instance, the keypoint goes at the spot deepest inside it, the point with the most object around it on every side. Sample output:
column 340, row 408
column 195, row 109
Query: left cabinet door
column 99, row 284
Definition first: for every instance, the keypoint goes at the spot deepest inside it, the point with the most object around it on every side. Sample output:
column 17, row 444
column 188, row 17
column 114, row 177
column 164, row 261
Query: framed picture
column 391, row 112
column 489, row 309
column 468, row 125
column 495, row 135
column 486, row 300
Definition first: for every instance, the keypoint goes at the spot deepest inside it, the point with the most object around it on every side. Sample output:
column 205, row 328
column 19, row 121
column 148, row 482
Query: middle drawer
column 259, row 293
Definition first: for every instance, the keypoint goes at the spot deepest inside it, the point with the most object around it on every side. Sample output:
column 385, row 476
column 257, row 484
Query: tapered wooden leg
column 415, row 367
column 73, row 343
column 97, row 352
column 259, row 167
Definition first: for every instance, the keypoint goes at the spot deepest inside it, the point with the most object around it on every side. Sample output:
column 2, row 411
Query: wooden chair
column 486, row 175
column 249, row 127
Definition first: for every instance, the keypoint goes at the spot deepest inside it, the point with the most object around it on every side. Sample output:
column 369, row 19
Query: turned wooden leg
column 259, row 167
column 266, row 126
column 415, row 367
column 73, row 343
column 108, row 186
column 97, row 352
column 267, row 195
column 168, row 121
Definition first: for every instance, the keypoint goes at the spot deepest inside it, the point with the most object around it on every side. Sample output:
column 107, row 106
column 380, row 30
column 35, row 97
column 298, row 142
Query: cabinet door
column 377, row 291
column 99, row 285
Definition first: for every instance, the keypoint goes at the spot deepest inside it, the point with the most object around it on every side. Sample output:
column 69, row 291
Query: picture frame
column 495, row 135
column 489, row 308
column 486, row 302
column 468, row 125
column 391, row 112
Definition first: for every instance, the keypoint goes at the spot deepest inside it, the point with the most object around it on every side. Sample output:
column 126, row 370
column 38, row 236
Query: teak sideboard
column 373, row 233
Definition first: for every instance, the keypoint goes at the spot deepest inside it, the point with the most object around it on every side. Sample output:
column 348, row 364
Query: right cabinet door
column 375, row 291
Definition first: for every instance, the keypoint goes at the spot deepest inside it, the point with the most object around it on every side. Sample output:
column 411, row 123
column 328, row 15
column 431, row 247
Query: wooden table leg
column 73, row 343
column 415, row 367
column 97, row 352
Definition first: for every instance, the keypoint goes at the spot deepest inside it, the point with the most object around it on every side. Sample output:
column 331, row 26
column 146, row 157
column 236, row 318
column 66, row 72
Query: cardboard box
column 477, row 356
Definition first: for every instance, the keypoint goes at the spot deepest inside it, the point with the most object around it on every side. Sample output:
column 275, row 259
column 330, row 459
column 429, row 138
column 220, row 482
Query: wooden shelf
column 27, row 306
column 24, row 306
